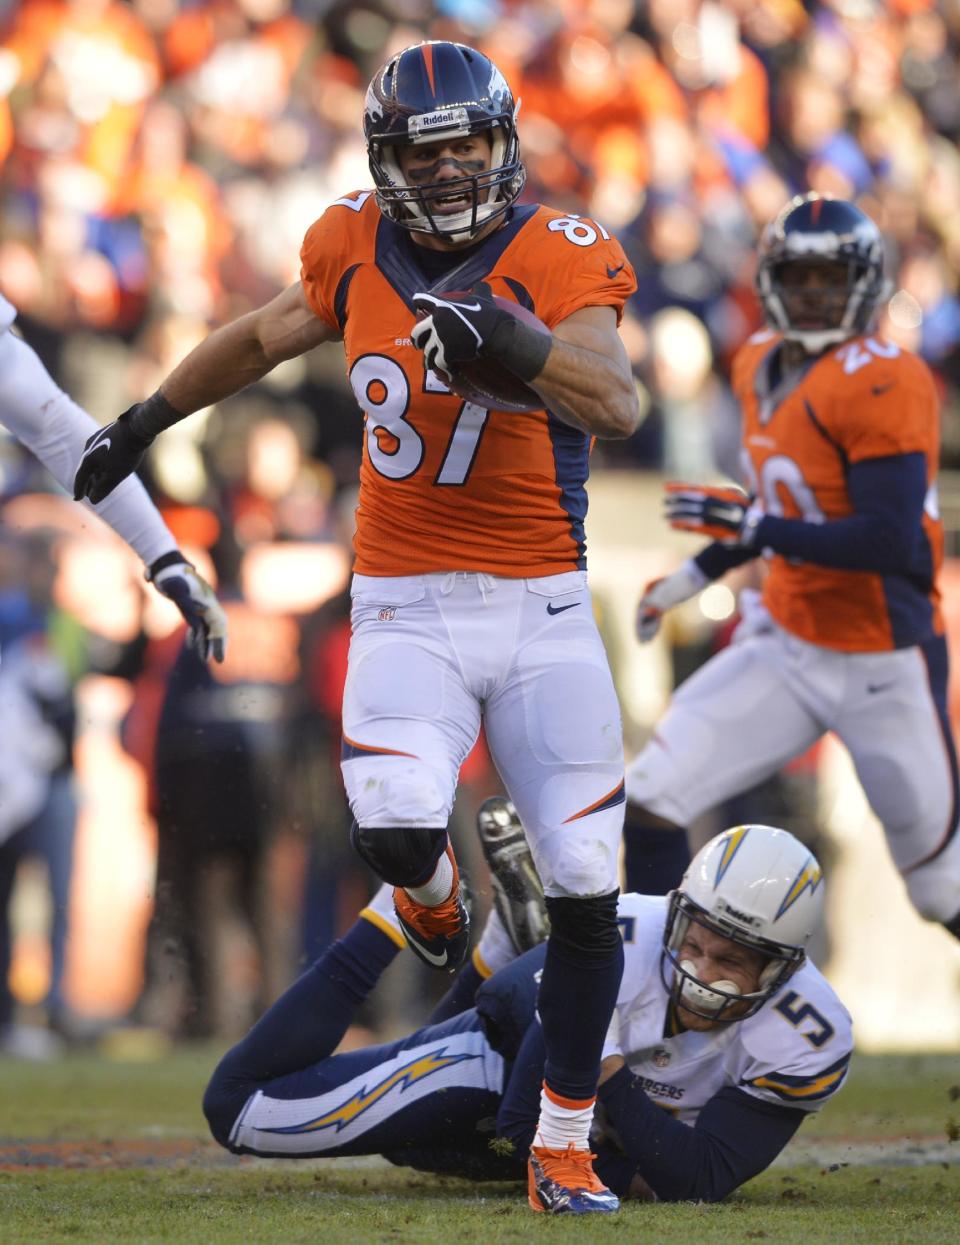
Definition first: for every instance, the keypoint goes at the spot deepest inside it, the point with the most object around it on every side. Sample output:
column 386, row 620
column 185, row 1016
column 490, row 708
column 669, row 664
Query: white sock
column 381, row 912
column 494, row 949
column 438, row 889
column 382, row 904
column 561, row 1126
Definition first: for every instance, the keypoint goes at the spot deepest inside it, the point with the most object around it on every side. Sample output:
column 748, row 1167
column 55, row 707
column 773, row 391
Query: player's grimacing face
column 714, row 958
column 430, row 164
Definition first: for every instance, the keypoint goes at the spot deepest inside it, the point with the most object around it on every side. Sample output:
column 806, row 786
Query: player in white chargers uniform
column 54, row 428
column 782, row 1054
column 723, row 1041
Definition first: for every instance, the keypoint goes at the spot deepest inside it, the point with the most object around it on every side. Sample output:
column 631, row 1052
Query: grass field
column 93, row 1150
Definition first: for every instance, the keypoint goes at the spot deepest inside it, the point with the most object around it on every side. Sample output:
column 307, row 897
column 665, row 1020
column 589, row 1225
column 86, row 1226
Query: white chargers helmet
column 759, row 887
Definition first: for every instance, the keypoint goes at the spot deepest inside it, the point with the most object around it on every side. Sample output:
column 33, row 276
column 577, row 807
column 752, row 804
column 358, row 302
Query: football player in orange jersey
column 840, row 453
column 470, row 598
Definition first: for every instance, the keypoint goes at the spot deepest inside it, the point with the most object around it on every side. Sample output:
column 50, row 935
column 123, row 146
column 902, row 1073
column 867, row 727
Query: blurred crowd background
column 160, row 161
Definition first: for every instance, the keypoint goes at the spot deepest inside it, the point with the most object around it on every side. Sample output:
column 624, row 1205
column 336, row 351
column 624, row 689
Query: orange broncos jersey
column 864, row 399
column 446, row 485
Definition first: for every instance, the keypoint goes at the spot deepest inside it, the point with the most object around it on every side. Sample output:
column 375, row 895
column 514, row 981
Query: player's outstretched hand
column 724, row 514
column 663, row 594
column 178, row 580
column 110, row 455
column 455, row 329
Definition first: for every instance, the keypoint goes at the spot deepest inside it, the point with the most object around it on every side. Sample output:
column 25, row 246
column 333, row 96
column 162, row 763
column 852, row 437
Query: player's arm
column 242, row 352
column 685, row 582
column 586, row 380
column 736, row 1136
column 887, row 495
column 54, row 428
column 231, row 358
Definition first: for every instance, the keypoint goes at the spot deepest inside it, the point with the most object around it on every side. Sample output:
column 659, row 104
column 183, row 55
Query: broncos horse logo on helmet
column 844, row 243
column 435, row 92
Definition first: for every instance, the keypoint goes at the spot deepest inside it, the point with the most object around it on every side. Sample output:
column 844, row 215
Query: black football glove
column 110, row 455
column 456, row 330
column 177, row 579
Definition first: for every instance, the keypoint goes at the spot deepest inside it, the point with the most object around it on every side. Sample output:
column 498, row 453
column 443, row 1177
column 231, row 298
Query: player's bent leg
column 420, row 864
column 304, row 1026
column 399, row 804
column 441, row 1081
column 733, row 723
column 899, row 736
column 400, row 855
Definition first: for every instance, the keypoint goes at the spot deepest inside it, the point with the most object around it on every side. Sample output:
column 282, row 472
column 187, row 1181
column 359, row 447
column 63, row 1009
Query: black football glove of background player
column 456, row 330
column 110, row 455
column 116, row 451
column 177, row 580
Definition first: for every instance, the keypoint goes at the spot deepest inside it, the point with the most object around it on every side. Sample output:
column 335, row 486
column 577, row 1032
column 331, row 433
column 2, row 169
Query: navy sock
column 309, row 1019
column 655, row 858
column 460, row 995
column 581, row 977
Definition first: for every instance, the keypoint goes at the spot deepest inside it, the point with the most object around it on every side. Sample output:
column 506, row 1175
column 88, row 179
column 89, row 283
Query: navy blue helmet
column 429, row 93
column 846, row 245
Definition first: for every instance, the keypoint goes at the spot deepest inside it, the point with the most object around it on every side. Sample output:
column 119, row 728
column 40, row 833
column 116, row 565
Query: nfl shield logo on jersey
column 661, row 1057
column 387, row 614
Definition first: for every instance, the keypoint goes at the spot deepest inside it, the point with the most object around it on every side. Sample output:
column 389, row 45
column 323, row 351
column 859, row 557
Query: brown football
column 489, row 383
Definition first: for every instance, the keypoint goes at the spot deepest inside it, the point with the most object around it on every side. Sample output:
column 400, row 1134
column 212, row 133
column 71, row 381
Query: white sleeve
column 8, row 313
column 797, row 1048
column 52, row 426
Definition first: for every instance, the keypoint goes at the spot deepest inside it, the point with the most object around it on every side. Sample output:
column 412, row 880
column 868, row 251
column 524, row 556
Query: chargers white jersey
column 8, row 313
column 793, row 1052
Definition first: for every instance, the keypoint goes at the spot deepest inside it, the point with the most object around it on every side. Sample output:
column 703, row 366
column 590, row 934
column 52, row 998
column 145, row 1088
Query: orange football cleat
column 563, row 1182
column 440, row 936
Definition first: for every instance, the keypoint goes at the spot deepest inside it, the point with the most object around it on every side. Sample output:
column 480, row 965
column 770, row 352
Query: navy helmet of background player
column 723, row 1040
column 847, row 245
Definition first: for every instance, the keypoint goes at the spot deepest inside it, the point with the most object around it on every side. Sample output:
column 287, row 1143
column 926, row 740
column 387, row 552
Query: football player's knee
column 408, row 795
column 935, row 893
column 583, row 866
column 584, row 926
column 653, row 785
column 400, row 855
column 222, row 1103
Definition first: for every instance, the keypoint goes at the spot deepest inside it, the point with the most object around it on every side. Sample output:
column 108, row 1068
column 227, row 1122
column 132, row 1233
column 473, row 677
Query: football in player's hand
column 489, row 383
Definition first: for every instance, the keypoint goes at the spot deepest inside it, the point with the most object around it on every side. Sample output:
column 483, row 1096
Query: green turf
column 915, row 1205
column 85, row 1098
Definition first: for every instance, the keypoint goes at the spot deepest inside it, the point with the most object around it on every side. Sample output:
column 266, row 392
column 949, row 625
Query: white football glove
column 206, row 622
column 661, row 595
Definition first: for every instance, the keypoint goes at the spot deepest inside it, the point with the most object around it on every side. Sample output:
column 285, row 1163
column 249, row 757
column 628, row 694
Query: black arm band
column 173, row 558
column 519, row 347
column 151, row 417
